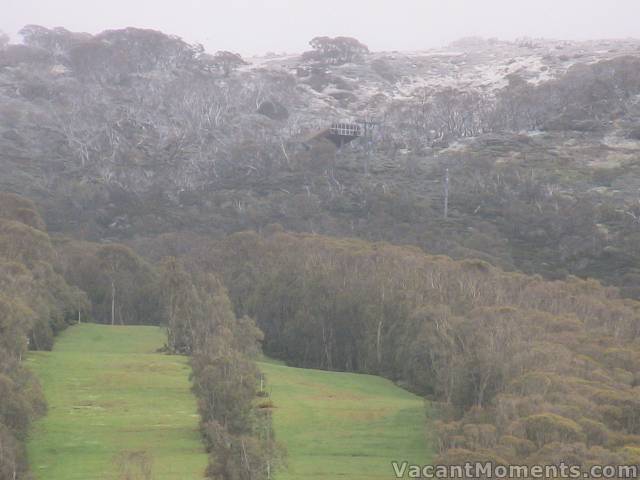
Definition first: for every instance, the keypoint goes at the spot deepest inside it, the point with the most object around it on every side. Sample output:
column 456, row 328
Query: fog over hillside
column 255, row 27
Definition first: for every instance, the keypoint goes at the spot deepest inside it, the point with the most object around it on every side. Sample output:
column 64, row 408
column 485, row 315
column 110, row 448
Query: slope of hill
column 344, row 425
column 123, row 143
column 116, row 408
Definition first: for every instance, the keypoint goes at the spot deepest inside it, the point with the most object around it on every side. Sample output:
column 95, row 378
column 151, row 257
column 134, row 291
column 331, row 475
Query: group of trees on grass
column 236, row 427
column 35, row 304
column 521, row 369
column 194, row 307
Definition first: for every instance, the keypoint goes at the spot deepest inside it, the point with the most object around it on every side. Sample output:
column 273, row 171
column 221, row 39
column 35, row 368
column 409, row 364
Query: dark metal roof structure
column 340, row 133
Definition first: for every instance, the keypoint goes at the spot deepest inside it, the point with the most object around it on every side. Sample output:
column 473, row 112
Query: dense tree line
column 522, row 369
column 35, row 304
column 237, row 430
column 124, row 289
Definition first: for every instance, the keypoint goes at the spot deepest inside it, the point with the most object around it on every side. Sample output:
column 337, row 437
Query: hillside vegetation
column 524, row 370
column 117, row 408
column 134, row 133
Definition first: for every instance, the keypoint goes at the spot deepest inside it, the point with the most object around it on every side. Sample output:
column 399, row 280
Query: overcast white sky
column 259, row 26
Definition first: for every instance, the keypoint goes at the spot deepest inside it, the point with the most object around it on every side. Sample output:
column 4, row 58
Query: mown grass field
column 341, row 425
column 111, row 397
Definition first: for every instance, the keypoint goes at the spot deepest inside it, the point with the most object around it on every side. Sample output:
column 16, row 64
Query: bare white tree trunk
column 113, row 302
column 246, row 458
column 446, row 194
column 378, row 352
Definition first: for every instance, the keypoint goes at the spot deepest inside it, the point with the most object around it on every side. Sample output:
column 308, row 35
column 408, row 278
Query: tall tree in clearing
column 117, row 261
column 122, row 286
column 181, row 302
column 336, row 51
column 227, row 62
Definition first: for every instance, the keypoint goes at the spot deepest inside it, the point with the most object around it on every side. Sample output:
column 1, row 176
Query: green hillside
column 115, row 407
column 342, row 425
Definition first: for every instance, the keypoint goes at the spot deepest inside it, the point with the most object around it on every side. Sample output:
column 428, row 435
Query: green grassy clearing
column 341, row 425
column 110, row 395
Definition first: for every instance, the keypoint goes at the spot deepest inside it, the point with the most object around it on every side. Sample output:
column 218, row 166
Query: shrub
column 548, row 427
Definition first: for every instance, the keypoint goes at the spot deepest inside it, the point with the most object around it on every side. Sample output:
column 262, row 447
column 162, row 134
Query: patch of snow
column 534, row 133
column 615, row 141
column 455, row 147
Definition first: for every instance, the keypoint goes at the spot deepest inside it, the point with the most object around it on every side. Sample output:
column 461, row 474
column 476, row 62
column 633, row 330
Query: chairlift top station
column 339, row 133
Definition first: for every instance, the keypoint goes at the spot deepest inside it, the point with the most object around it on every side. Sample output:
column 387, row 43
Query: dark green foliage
column 201, row 323
column 35, row 304
column 239, row 457
column 123, row 288
column 518, row 364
